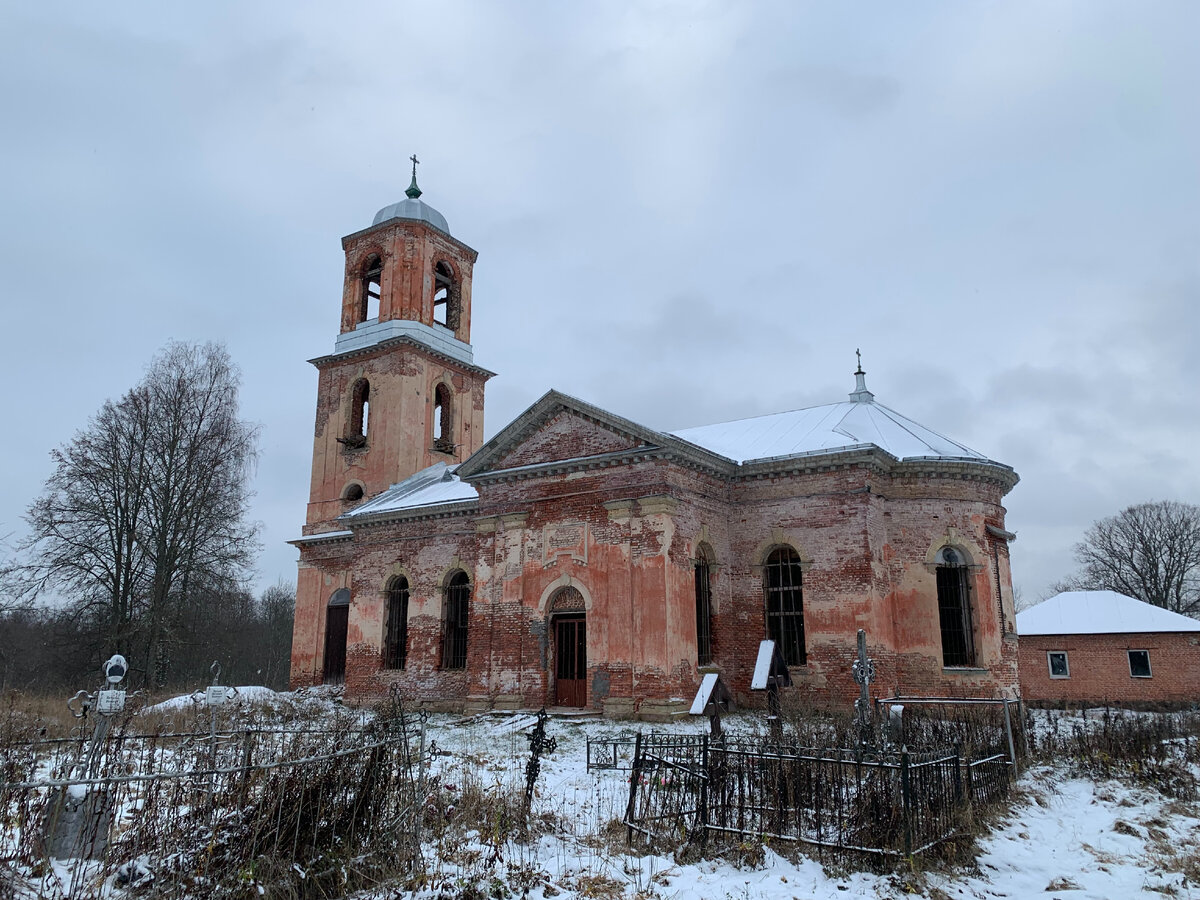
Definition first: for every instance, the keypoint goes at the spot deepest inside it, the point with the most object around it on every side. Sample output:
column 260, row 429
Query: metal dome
column 415, row 210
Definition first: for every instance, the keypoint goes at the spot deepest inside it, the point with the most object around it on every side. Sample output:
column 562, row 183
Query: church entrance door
column 570, row 669
column 337, row 618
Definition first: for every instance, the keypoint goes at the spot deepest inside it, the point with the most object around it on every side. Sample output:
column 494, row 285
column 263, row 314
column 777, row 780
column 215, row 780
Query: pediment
column 554, row 429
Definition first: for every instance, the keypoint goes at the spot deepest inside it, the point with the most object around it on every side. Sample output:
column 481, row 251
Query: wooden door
column 570, row 664
column 337, row 618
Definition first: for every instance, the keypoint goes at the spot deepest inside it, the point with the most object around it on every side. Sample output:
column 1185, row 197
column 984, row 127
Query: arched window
column 353, row 492
column 954, row 608
column 337, row 617
column 785, row 605
column 443, row 434
column 395, row 636
column 372, row 279
column 454, row 636
column 360, row 414
column 446, row 305
column 703, row 610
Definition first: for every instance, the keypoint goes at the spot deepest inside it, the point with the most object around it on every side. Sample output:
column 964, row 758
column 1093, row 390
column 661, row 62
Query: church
column 580, row 559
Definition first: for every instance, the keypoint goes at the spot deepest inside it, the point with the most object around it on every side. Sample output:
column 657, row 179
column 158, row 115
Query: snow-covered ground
column 1064, row 836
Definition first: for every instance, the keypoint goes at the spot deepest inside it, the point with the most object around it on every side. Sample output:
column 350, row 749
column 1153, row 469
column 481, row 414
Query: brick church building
column 581, row 559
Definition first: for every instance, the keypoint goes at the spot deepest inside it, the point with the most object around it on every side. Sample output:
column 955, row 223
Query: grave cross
column 863, row 671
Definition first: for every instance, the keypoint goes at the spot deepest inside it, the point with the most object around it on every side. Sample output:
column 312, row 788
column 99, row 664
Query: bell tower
column 401, row 390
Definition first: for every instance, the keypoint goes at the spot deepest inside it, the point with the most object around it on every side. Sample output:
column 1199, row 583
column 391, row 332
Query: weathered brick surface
column 1099, row 668
column 624, row 530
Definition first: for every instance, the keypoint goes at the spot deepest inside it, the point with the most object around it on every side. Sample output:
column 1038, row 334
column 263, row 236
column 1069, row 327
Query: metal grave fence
column 896, row 803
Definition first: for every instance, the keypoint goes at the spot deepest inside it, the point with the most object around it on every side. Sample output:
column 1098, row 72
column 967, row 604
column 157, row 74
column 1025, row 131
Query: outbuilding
column 1105, row 647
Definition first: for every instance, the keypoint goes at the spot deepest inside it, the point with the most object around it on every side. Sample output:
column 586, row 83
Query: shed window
column 372, row 278
column 457, row 604
column 395, row 639
column 1058, row 663
column 1139, row 663
column 703, row 611
column 954, row 609
column 785, row 605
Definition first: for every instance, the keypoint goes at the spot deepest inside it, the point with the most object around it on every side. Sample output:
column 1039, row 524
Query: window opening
column 443, row 435
column 782, row 578
column 454, row 642
column 353, row 492
column 954, row 610
column 372, row 279
column 445, row 296
column 1139, row 663
column 1058, row 663
column 360, row 414
column 703, row 611
column 395, row 639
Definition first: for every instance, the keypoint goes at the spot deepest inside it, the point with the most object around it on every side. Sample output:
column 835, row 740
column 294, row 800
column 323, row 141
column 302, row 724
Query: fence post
column 703, row 811
column 1012, row 752
column 906, row 801
column 634, row 775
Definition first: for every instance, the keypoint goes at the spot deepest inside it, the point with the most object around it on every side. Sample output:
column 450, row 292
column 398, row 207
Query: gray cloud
column 685, row 212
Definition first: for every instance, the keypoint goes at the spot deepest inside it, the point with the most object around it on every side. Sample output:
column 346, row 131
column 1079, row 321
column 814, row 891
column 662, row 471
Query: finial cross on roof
column 858, row 353
column 414, row 162
column 413, row 191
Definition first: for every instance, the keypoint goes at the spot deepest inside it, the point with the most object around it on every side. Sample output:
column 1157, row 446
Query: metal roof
column 430, row 487
column 415, row 210
column 826, row 429
column 1099, row 612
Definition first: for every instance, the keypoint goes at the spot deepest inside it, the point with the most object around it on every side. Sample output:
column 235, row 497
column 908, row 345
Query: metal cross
column 858, row 353
column 414, row 162
column 863, row 670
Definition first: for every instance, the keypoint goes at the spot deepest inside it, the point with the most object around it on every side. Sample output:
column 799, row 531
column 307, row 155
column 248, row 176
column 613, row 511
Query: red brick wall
column 627, row 536
column 1099, row 668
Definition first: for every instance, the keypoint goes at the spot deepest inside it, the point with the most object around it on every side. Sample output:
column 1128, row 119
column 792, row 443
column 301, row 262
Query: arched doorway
column 337, row 618
column 568, row 619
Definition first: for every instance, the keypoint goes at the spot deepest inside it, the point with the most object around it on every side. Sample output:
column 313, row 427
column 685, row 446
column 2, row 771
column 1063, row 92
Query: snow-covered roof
column 1099, row 612
column 433, row 486
column 848, row 425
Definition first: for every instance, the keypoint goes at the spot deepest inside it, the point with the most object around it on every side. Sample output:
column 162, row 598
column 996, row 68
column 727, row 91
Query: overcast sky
column 684, row 212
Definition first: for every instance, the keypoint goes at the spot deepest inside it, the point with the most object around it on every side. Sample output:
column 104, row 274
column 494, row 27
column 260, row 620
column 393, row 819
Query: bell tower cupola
column 400, row 391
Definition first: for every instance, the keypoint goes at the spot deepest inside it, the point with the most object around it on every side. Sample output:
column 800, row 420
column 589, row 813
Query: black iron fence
column 897, row 803
column 216, row 813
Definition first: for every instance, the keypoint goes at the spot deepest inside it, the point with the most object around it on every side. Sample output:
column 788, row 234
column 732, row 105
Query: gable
column 566, row 435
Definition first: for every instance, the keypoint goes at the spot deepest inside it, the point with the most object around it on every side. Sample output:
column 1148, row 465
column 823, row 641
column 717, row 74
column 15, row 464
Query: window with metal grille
column 954, row 609
column 395, row 637
column 785, row 605
column 446, row 302
column 454, row 641
column 372, row 278
column 703, row 612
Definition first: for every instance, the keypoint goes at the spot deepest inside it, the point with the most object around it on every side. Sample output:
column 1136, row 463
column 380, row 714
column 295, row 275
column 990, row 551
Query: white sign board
column 217, row 694
column 762, row 667
column 704, row 694
column 109, row 703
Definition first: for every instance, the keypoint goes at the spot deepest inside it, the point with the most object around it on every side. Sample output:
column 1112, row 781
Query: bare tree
column 1150, row 551
column 147, row 505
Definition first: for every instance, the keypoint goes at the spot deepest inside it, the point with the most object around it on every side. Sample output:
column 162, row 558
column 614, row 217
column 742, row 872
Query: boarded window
column 954, row 609
column 457, row 607
column 785, row 605
column 703, row 611
column 395, row 638
column 1139, row 663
